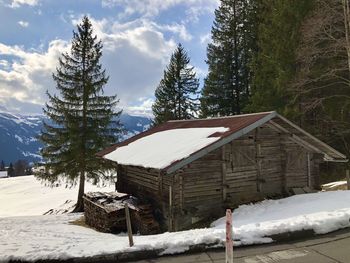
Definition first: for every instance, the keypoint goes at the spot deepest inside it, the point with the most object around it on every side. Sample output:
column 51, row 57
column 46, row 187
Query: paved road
column 330, row 248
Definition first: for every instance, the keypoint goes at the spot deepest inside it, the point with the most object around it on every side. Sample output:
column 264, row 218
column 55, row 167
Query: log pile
column 143, row 220
column 106, row 213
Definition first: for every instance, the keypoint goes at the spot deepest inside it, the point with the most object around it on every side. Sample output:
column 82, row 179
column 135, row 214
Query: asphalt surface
column 330, row 248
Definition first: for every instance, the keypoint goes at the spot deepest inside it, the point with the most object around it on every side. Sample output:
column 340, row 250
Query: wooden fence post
column 348, row 179
column 229, row 242
column 128, row 224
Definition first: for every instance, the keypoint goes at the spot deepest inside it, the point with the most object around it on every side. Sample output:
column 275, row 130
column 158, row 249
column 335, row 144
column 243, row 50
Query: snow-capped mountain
column 18, row 134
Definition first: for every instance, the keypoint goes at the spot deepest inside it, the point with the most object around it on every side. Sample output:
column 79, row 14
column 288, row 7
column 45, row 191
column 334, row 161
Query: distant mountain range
column 18, row 134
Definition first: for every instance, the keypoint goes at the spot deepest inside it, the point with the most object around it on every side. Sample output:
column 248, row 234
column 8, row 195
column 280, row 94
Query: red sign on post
column 229, row 241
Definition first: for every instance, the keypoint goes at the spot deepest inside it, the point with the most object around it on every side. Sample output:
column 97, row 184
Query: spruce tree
column 176, row 94
column 274, row 66
column 82, row 118
column 2, row 166
column 227, row 87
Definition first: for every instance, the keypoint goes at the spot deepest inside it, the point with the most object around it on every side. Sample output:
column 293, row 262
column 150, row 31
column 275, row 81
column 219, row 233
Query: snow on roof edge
column 170, row 146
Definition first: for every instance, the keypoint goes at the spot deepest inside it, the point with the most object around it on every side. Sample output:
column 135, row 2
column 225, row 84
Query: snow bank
column 25, row 195
column 161, row 149
column 41, row 237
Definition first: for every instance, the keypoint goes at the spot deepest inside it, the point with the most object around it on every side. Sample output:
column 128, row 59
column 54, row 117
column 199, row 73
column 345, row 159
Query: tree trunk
column 346, row 7
column 80, row 203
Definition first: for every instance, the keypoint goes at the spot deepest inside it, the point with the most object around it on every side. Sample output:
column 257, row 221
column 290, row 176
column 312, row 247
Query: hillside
column 18, row 134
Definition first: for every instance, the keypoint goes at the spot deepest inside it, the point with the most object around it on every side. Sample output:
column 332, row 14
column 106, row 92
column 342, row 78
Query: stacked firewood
column 106, row 213
column 144, row 221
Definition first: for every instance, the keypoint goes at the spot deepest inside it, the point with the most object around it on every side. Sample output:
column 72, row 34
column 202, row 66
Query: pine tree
column 2, row 166
column 176, row 94
column 83, row 120
column 227, row 87
column 275, row 63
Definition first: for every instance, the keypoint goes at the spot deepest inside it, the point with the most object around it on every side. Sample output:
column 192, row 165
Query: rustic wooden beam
column 313, row 138
column 160, row 184
column 258, row 161
column 295, row 138
column 283, row 164
column 223, row 171
column 181, row 193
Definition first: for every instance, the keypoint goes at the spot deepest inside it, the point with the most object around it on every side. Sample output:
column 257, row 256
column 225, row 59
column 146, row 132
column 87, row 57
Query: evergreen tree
column 82, row 118
column 227, row 87
column 10, row 171
column 275, row 63
column 2, row 166
column 176, row 94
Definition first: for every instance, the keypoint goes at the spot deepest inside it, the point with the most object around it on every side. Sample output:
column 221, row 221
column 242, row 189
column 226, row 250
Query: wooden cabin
column 191, row 170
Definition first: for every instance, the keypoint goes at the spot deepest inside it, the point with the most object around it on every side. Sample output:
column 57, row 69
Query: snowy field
column 52, row 236
column 26, row 196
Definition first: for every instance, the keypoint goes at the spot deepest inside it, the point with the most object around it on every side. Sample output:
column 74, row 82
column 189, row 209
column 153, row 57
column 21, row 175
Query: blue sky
column 138, row 36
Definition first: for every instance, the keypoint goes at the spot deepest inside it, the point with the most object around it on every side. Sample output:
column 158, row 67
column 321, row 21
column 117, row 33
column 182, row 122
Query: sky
column 138, row 38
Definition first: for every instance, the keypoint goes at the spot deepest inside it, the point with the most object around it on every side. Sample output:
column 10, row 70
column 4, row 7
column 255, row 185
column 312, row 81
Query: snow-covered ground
column 25, row 196
column 53, row 236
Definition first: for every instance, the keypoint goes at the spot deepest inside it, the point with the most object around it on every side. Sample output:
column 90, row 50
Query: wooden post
column 223, row 171
column 170, row 228
column 128, row 224
column 181, row 193
column 258, row 160
column 348, row 179
column 229, row 242
column 160, row 184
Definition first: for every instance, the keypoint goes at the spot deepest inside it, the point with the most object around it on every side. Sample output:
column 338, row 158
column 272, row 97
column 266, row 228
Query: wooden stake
column 128, row 224
column 229, row 242
column 348, row 179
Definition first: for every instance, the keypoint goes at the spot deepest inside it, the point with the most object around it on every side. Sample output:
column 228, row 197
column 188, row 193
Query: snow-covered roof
column 161, row 149
column 174, row 144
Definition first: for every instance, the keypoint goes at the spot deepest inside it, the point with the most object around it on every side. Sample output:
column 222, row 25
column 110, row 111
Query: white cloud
column 18, row 3
column 199, row 8
column 205, row 39
column 154, row 7
column 23, row 23
column 134, row 55
column 28, row 74
column 179, row 29
column 144, row 107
